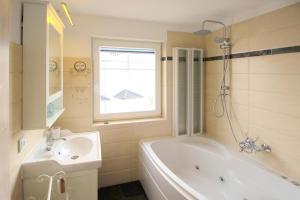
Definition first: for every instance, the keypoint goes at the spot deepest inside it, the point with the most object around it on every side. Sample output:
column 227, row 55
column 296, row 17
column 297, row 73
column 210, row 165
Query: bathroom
column 213, row 114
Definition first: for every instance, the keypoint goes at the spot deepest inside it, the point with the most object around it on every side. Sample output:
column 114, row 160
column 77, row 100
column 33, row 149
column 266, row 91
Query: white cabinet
column 42, row 65
column 187, row 91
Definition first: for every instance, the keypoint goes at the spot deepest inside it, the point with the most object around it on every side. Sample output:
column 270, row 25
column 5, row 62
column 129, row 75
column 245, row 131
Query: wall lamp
column 67, row 13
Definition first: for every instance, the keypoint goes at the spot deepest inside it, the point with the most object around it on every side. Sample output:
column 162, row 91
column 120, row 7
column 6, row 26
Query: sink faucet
column 50, row 139
column 249, row 146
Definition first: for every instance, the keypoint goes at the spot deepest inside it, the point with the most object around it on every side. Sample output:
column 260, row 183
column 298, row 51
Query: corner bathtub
column 200, row 168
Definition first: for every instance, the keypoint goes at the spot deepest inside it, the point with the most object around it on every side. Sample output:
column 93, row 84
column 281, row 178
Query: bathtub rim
column 183, row 188
column 174, row 180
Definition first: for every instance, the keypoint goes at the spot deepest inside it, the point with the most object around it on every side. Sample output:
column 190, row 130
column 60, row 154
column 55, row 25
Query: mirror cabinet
column 42, row 65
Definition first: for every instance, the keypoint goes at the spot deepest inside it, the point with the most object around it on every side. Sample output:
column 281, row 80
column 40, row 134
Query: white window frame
column 104, row 42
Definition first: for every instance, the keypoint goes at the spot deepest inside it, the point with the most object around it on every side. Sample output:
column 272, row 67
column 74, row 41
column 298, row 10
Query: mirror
column 55, row 61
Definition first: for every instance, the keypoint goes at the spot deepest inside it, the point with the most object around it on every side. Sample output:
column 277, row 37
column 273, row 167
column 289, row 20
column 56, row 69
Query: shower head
column 202, row 32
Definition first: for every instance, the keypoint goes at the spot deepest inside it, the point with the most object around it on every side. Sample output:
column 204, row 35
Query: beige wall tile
column 283, row 157
column 114, row 178
column 15, row 113
column 81, row 109
column 240, row 81
column 110, row 150
column 278, row 19
column 15, row 117
column 239, row 30
column 148, row 132
column 278, row 38
column 212, row 84
column 76, row 124
column 265, row 94
column 276, row 102
column 240, row 118
column 275, row 64
column 240, row 66
column 15, row 59
column 117, row 135
column 116, row 164
column 280, row 83
column 182, row 39
column 213, row 67
column 273, row 120
column 15, row 87
column 77, row 95
column 211, row 48
column 240, row 97
column 16, row 159
column 240, row 45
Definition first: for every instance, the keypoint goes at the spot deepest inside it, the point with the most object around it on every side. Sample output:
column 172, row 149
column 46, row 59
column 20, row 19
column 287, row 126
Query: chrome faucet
column 249, row 146
column 50, row 139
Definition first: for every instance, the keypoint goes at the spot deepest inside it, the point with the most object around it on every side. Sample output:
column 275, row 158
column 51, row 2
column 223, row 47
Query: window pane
column 127, row 80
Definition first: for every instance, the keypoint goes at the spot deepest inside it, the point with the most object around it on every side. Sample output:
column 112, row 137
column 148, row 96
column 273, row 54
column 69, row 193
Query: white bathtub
column 199, row 168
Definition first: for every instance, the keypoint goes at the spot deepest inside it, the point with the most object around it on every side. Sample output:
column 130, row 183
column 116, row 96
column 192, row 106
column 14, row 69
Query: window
column 127, row 79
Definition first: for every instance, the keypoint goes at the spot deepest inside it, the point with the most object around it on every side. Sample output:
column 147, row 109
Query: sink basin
column 76, row 152
column 74, row 148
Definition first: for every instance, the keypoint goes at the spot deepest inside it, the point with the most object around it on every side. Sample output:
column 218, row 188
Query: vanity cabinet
column 42, row 65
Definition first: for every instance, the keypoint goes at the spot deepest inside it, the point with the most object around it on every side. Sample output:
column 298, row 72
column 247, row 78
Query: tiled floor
column 126, row 191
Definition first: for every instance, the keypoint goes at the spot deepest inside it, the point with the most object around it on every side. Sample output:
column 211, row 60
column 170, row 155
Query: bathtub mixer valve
column 249, row 146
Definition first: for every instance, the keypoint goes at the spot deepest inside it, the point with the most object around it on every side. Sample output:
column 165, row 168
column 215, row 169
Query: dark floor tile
column 132, row 188
column 110, row 193
column 126, row 191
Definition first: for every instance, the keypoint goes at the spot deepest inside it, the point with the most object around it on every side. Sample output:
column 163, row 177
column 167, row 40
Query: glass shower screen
column 182, row 89
column 187, row 91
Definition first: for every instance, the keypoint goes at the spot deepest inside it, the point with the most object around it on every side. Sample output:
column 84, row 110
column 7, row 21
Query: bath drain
column 74, row 157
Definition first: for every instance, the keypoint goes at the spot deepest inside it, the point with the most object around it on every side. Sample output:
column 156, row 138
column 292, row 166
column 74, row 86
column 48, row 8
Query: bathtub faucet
column 249, row 146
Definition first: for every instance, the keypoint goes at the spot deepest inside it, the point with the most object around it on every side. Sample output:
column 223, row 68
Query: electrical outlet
column 22, row 142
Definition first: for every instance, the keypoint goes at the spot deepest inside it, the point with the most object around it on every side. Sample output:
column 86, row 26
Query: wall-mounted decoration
column 52, row 66
column 80, row 66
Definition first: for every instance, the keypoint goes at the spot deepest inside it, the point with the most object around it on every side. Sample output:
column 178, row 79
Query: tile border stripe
column 283, row 50
column 265, row 52
column 166, row 58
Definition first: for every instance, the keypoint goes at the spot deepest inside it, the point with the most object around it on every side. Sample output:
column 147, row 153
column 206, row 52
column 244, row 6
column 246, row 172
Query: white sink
column 77, row 152
column 74, row 148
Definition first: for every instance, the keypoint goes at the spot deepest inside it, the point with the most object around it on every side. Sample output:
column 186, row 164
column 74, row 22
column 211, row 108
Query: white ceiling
column 184, row 12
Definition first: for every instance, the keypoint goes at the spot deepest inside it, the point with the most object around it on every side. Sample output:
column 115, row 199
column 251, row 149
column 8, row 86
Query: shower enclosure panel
column 187, row 91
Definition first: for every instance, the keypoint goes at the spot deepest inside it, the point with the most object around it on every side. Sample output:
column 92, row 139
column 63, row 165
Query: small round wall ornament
column 80, row 66
column 52, row 66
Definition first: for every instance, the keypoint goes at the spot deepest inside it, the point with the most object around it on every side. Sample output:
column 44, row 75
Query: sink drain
column 74, row 157
column 221, row 179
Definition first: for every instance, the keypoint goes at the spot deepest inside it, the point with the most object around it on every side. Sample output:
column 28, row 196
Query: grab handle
column 61, row 177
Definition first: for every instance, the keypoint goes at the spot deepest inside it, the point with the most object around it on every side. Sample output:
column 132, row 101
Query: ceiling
column 184, row 12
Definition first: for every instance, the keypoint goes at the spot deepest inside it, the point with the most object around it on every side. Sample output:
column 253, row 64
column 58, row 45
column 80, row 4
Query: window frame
column 97, row 43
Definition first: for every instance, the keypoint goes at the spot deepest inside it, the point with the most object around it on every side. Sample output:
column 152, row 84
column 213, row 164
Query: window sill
column 128, row 122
